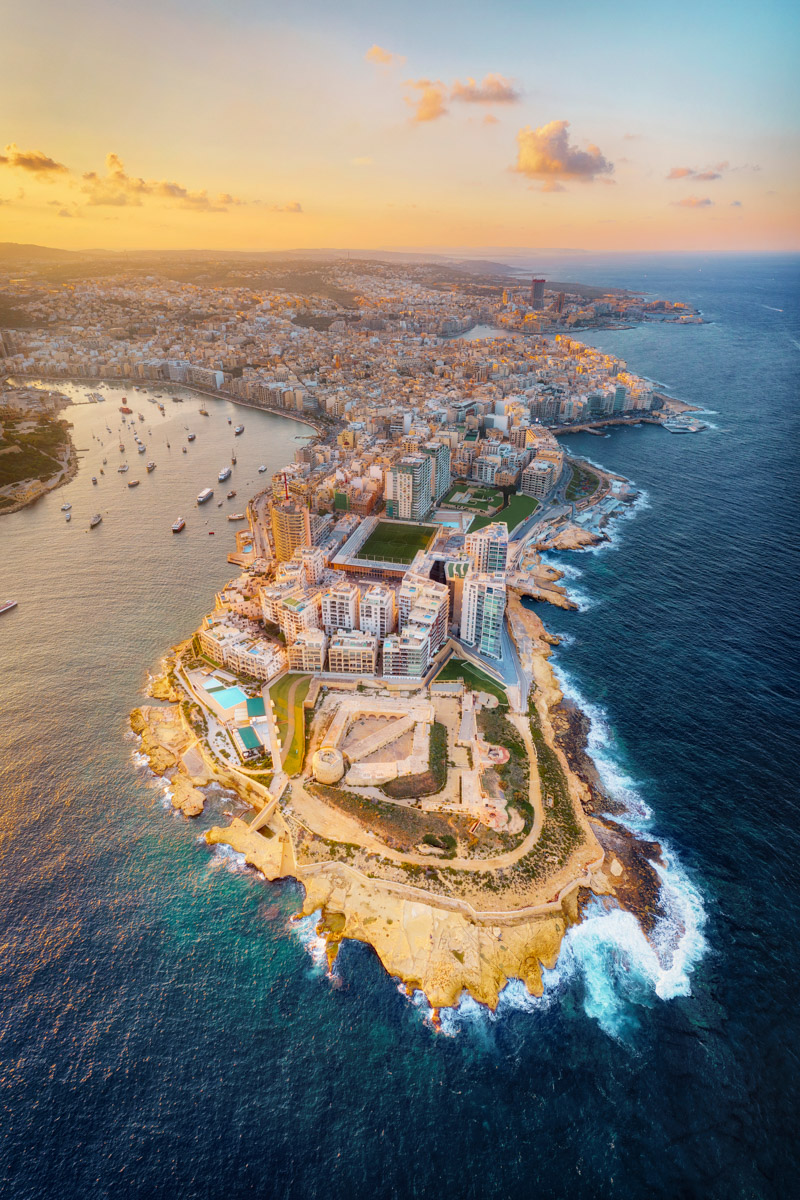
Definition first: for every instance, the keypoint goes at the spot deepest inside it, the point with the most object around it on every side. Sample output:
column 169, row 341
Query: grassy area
column 279, row 693
column 396, row 542
column 411, row 787
column 514, row 775
column 582, row 484
column 33, row 454
column 481, row 499
column 399, row 827
column 561, row 833
column 473, row 677
column 518, row 509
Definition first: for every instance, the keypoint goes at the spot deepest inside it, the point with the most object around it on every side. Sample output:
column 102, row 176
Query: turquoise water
column 165, row 1028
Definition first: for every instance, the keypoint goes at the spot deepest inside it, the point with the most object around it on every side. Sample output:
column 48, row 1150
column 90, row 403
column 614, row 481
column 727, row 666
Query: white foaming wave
column 600, row 747
column 305, row 930
column 226, row 858
column 568, row 570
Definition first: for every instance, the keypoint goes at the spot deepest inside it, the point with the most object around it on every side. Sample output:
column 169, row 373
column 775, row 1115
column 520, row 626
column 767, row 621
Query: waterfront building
column 307, row 653
column 538, row 479
column 378, row 610
column 240, row 649
column 312, row 561
column 353, row 652
column 407, row 488
column 340, row 607
column 291, row 528
column 488, row 547
column 483, row 607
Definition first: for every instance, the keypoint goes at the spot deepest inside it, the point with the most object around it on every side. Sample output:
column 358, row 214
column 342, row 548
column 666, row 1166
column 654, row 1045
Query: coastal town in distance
column 373, row 682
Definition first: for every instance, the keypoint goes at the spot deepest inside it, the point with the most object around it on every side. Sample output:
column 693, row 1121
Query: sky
column 248, row 125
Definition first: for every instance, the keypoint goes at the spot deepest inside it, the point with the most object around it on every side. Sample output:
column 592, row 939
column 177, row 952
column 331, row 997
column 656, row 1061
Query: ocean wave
column 305, row 930
column 600, row 747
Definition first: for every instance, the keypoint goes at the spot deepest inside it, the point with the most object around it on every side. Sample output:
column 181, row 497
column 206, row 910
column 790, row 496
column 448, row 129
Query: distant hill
column 11, row 252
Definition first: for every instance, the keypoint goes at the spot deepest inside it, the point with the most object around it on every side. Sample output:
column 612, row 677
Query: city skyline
column 242, row 129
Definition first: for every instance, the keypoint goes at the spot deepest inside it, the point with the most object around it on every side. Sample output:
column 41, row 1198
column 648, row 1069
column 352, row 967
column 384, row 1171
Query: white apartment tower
column 378, row 611
column 482, row 611
column 407, row 488
column 340, row 607
column 488, row 547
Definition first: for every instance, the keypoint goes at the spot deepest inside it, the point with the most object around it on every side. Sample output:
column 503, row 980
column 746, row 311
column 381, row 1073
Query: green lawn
column 473, row 677
column 519, row 508
column 279, row 693
column 583, row 483
column 482, row 499
column 396, row 542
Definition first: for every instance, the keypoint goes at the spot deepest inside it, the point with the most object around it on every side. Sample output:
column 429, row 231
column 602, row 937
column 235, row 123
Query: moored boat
column 7, row 605
column 96, row 519
column 151, row 466
column 66, row 507
column 190, row 437
column 206, row 494
column 224, row 474
column 179, row 525
column 237, row 516
column 133, row 483
column 237, row 429
column 231, row 494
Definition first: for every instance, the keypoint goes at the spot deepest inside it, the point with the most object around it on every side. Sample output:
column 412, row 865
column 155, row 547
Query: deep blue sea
column 166, row 1031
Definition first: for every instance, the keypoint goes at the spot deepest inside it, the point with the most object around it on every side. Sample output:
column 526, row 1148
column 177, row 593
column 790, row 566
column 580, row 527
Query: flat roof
column 249, row 737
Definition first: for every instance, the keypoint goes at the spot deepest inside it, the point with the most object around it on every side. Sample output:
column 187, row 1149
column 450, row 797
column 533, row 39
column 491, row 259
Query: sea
column 167, row 1029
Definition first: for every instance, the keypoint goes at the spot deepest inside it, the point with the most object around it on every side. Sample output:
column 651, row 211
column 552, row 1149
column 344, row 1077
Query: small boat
column 105, row 460
column 151, row 466
column 220, row 503
column 7, row 605
column 68, row 517
column 206, row 494
column 237, row 429
column 133, row 483
column 224, row 474
column 261, row 469
column 231, row 494
column 122, row 447
column 141, row 448
column 203, row 412
column 102, row 472
column 230, row 422
column 237, row 516
column 179, row 525
column 233, row 460
column 140, row 416
column 190, row 437
column 183, row 448
column 168, row 445
column 66, row 507
column 123, row 408
column 94, row 480
column 96, row 519
column 121, row 470
column 211, row 533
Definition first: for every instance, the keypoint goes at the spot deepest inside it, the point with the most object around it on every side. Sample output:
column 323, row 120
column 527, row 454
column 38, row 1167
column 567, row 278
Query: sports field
column 392, row 541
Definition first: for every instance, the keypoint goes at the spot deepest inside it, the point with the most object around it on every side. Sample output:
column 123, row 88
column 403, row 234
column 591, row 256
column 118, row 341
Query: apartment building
column 340, row 606
column 483, row 607
column 307, row 653
column 488, row 547
column 378, row 610
column 353, row 652
column 407, row 654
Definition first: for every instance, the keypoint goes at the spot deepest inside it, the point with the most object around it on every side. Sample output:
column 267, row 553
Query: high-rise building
column 483, row 606
column 407, row 654
column 378, row 610
column 537, row 293
column 291, row 527
column 407, row 488
column 425, row 603
column 440, row 468
column 340, row 607
column 538, row 479
column 308, row 651
column 488, row 547
column 298, row 613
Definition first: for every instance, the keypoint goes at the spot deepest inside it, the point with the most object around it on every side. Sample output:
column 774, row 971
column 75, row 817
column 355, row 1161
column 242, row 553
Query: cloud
column 631, row 137
column 64, row 213
column 704, row 176
column 490, row 119
column 293, row 207
column 32, row 160
column 694, row 202
column 552, row 185
column 430, row 104
column 383, row 58
column 546, row 153
column 118, row 189
column 493, row 90
column 736, row 204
